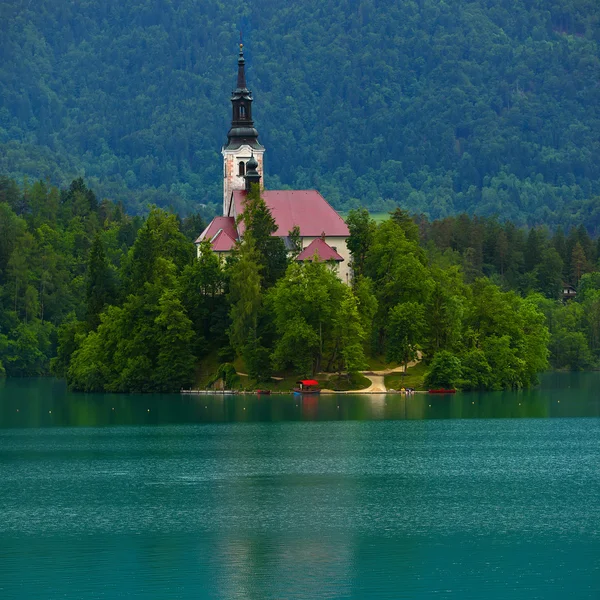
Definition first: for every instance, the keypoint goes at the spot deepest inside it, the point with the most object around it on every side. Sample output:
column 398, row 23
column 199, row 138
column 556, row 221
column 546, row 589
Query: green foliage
column 258, row 360
column 476, row 373
column 100, row 289
column 445, row 371
column 489, row 107
column 26, row 351
column 362, row 229
column 440, row 302
column 244, row 295
column 146, row 343
column 228, row 375
column 202, row 284
column 309, row 304
column 175, row 361
column 483, row 291
column 348, row 334
column 350, row 381
column 259, row 227
column 405, row 329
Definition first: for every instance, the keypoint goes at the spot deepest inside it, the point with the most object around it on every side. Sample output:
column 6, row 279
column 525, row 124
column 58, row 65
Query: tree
column 578, row 263
column 444, row 311
column 533, row 249
column 295, row 243
column 159, row 237
column 405, row 331
column 100, row 289
column 347, row 336
column 257, row 359
column 69, row 334
column 367, row 307
column 244, row 295
column 399, row 273
column 27, row 351
column 260, row 227
column 192, row 226
column 175, row 362
column 570, row 350
column 549, row 274
column 202, row 292
column 403, row 219
column 305, row 303
column 476, row 373
column 298, row 347
column 445, row 371
column 228, row 375
column 362, row 230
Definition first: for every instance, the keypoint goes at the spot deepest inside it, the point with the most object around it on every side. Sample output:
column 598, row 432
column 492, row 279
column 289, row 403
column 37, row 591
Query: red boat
column 263, row 392
column 307, row 386
column 443, row 391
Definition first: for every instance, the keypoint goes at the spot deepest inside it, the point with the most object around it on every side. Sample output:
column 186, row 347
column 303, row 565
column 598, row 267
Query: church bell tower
column 242, row 139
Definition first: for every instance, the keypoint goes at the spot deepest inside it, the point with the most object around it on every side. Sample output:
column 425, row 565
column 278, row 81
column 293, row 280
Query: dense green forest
column 120, row 303
column 489, row 107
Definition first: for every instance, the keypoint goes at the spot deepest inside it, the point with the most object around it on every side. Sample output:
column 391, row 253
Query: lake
column 469, row 496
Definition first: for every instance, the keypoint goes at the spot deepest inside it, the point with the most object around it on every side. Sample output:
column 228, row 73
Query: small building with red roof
column 323, row 232
column 319, row 249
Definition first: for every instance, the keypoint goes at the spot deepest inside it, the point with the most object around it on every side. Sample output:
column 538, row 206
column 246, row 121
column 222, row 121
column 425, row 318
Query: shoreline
column 287, row 393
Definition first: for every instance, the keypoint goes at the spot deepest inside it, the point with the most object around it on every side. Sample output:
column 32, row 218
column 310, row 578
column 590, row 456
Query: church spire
column 242, row 131
column 241, row 80
column 242, row 154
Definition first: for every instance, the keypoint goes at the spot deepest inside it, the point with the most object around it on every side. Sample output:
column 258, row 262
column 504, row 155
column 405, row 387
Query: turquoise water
column 475, row 496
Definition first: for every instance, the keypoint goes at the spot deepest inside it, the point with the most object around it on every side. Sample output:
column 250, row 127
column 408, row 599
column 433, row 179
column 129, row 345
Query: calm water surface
column 471, row 497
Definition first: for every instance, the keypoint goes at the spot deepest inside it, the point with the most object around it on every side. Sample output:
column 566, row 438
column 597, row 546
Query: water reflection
column 360, row 497
column 48, row 403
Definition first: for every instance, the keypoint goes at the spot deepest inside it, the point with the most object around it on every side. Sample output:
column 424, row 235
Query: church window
column 242, row 111
column 242, row 168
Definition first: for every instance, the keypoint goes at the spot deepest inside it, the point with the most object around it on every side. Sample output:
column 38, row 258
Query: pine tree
column 175, row 362
column 244, row 295
column 260, row 226
column 100, row 287
column 578, row 263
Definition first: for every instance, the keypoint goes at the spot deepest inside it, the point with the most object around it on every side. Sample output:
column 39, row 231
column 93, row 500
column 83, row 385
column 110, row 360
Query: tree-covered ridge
column 490, row 107
column 65, row 257
column 116, row 303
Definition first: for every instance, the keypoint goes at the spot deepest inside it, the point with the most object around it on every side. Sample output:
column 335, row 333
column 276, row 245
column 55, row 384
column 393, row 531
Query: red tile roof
column 323, row 251
column 305, row 208
column 227, row 224
column 222, row 242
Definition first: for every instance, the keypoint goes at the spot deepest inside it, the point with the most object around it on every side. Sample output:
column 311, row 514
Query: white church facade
column 323, row 232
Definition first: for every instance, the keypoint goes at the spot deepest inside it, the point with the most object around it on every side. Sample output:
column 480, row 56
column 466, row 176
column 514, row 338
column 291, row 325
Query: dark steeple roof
column 252, row 175
column 242, row 127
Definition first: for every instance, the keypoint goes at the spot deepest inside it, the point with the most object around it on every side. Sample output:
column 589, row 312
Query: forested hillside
column 489, row 107
column 120, row 303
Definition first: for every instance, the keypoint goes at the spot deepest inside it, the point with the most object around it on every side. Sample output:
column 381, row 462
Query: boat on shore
column 263, row 392
column 443, row 391
column 307, row 387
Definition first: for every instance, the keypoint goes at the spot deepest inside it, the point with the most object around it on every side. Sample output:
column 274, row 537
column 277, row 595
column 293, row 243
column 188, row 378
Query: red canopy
column 309, row 382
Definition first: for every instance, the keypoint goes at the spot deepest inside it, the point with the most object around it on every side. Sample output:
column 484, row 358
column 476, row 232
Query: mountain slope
column 490, row 106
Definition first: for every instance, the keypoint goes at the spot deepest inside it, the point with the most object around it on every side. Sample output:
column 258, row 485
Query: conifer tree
column 100, row 289
column 175, row 361
column 244, row 295
column 260, row 226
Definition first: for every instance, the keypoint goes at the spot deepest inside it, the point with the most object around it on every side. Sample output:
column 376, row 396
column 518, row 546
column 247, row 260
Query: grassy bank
column 414, row 378
column 344, row 383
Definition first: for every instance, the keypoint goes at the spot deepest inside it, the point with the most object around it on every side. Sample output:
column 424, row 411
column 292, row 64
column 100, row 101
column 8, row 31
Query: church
column 323, row 232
